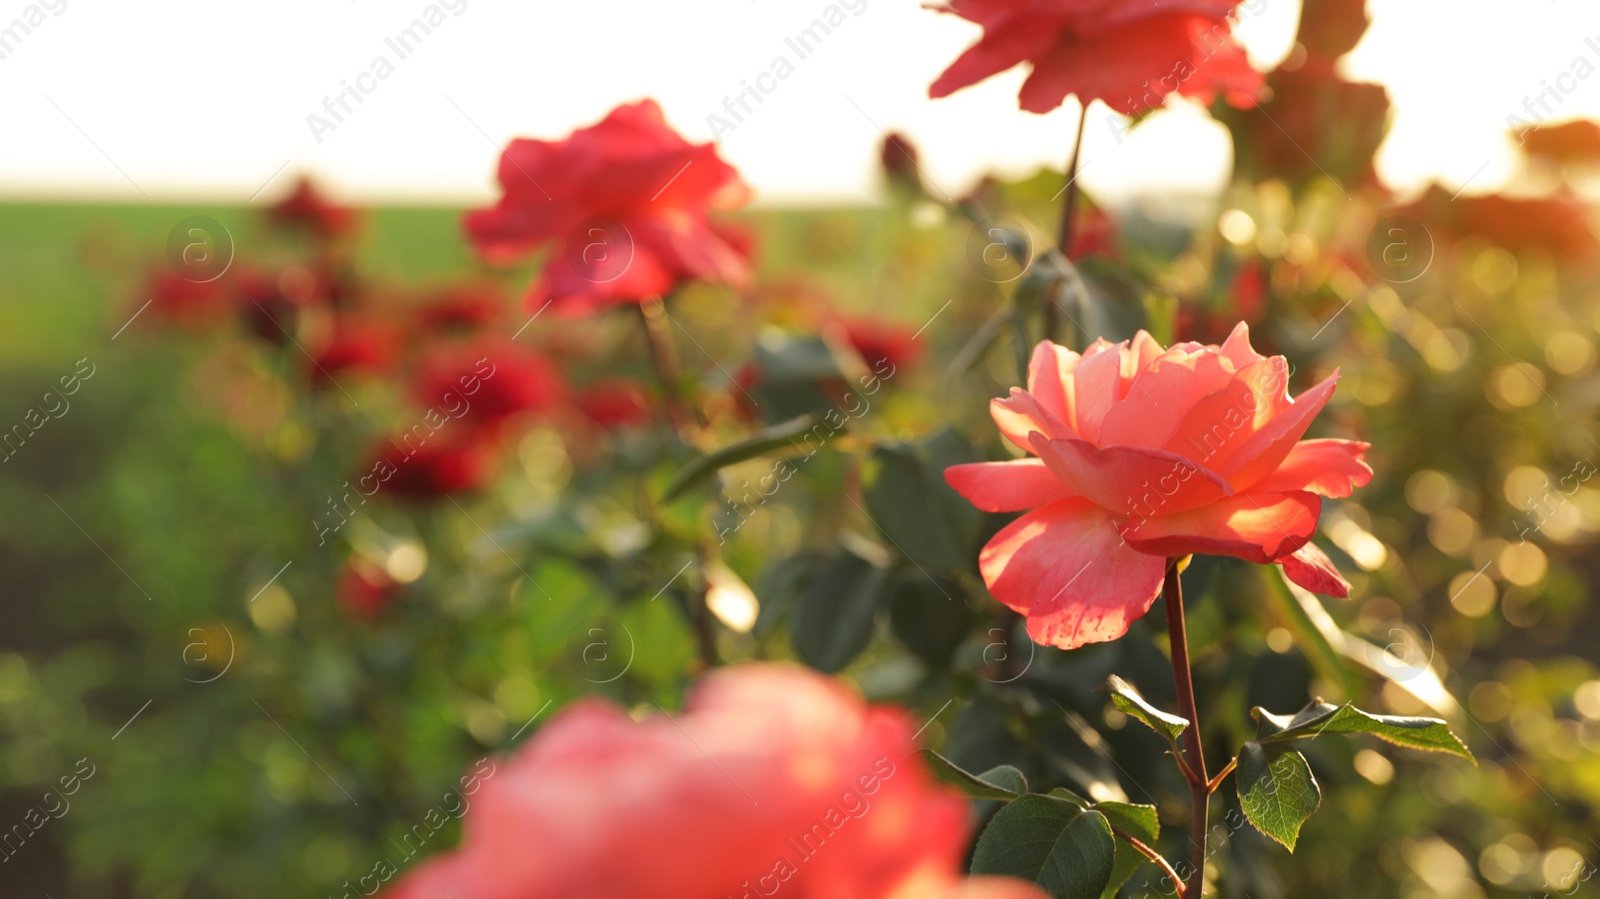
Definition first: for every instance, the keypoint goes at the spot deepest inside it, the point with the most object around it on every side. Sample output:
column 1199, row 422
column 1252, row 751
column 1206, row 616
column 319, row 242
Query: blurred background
column 225, row 672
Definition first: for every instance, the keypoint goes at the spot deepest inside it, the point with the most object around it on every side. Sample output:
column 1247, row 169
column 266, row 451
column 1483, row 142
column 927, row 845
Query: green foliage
column 1067, row 850
column 911, row 504
column 779, row 438
column 1003, row 782
column 832, row 621
column 1276, row 790
column 1320, row 718
column 1129, row 702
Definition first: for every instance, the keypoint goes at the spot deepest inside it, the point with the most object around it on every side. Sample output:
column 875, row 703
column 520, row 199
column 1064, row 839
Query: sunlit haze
column 214, row 100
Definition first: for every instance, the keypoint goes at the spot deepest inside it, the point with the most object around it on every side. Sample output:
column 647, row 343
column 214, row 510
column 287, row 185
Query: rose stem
column 1067, row 210
column 653, row 314
column 1154, row 856
column 1183, row 680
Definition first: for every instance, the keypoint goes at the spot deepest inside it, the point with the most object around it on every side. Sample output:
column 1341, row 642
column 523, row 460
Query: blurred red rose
column 1243, row 300
column 615, row 402
column 467, row 306
column 898, row 158
column 180, row 300
column 771, row 777
column 1318, row 125
column 425, row 464
column 1094, row 232
column 307, row 207
column 1572, row 143
column 364, row 590
column 487, row 381
column 624, row 202
column 1129, row 53
column 880, row 341
column 1558, row 224
column 355, row 343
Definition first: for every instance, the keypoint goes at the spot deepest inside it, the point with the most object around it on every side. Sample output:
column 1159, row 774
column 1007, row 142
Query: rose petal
column 1144, row 56
column 1219, row 424
column 1257, row 527
column 1266, row 449
column 1096, row 381
column 1065, row 567
column 1131, row 480
column 1000, row 48
column 1142, row 351
column 1311, row 568
column 1162, row 394
column 1331, row 468
column 1237, row 348
column 1021, row 414
column 1050, row 380
column 1007, row 486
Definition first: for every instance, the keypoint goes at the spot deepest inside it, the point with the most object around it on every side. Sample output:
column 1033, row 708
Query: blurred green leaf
column 767, row 440
column 930, row 618
column 911, row 504
column 833, row 615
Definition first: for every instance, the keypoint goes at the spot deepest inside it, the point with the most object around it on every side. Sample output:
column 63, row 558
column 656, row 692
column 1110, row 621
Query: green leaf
column 1276, row 791
column 793, row 369
column 1140, row 821
column 1007, row 777
column 1065, row 794
column 1004, row 783
column 1428, row 734
column 833, row 616
column 776, row 437
column 928, row 615
column 910, row 503
column 1129, row 702
column 1065, row 850
column 779, row 586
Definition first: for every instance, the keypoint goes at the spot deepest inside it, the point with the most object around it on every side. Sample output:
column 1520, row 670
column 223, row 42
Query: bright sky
column 168, row 100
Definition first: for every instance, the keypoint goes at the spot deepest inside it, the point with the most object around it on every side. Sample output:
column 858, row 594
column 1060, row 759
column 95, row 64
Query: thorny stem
column 653, row 315
column 1183, row 680
column 1068, row 211
column 1154, row 856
